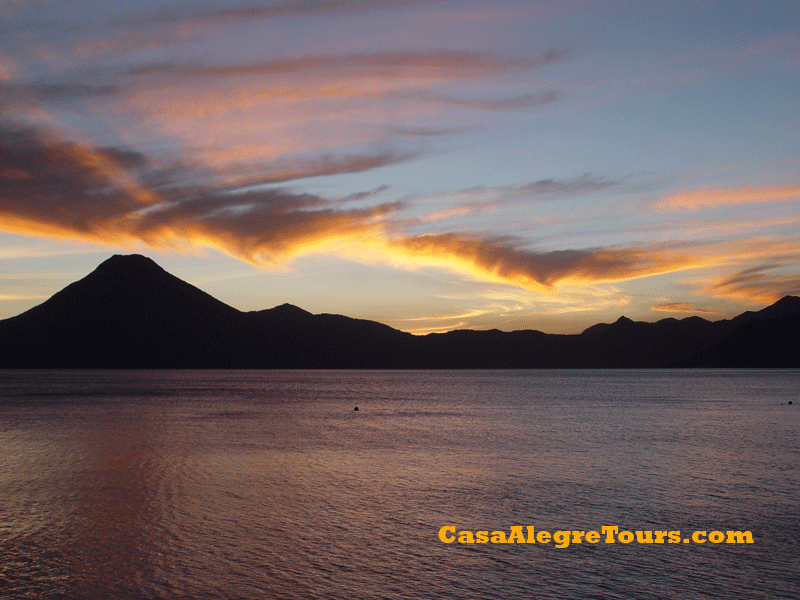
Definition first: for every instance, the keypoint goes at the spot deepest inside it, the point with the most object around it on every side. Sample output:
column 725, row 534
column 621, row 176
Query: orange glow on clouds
column 170, row 127
column 759, row 285
column 712, row 198
column 681, row 307
column 75, row 192
column 538, row 271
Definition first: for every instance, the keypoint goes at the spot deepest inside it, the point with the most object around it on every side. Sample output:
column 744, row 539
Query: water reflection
column 268, row 485
column 115, row 525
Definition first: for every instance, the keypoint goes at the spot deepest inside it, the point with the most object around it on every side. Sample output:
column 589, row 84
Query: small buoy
column 356, row 408
column 790, row 402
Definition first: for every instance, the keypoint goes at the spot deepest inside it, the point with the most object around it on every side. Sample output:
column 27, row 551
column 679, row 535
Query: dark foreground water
column 262, row 484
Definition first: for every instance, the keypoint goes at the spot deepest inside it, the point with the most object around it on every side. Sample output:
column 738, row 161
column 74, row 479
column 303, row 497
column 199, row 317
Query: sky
column 429, row 164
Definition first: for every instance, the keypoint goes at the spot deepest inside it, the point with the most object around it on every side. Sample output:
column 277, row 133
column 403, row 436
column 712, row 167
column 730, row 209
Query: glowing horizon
column 429, row 164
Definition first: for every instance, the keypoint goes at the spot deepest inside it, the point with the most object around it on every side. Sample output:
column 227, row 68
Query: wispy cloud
column 485, row 305
column 65, row 190
column 497, row 260
column 716, row 197
column 682, row 307
column 305, row 167
column 446, row 64
column 498, row 104
column 483, row 198
column 12, row 93
column 265, row 110
column 760, row 284
column 279, row 10
column 428, row 131
column 69, row 191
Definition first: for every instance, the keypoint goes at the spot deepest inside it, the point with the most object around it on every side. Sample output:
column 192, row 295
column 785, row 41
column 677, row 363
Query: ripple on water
column 267, row 485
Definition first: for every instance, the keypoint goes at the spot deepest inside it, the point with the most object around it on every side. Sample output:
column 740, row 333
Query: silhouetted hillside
column 131, row 313
column 127, row 312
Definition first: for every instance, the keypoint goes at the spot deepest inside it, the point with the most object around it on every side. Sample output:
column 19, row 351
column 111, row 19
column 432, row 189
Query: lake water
column 267, row 484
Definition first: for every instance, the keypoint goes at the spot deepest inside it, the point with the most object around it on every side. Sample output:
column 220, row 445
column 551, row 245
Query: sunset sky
column 431, row 165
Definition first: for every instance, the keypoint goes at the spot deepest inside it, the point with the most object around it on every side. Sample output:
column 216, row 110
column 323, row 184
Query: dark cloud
column 60, row 185
column 62, row 189
column 585, row 184
column 130, row 159
column 257, row 226
column 12, row 93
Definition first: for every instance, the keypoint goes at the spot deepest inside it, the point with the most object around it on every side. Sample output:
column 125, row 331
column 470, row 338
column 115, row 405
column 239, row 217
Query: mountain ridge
column 131, row 313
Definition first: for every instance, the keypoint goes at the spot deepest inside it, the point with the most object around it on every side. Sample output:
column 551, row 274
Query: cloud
column 8, row 66
column 429, row 131
column 784, row 47
column 585, row 184
column 448, row 213
column 304, row 167
column 681, row 307
column 497, row 260
column 760, row 284
column 481, row 305
column 712, row 198
column 545, row 188
column 279, row 10
column 230, row 114
column 65, row 190
column 116, row 196
column 265, row 227
column 480, row 199
column 511, row 103
column 446, row 64
column 13, row 93
column 63, row 184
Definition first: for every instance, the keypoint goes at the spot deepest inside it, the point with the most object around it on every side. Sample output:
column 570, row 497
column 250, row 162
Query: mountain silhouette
column 131, row 313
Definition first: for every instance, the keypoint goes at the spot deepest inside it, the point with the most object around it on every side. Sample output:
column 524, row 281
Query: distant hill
column 130, row 313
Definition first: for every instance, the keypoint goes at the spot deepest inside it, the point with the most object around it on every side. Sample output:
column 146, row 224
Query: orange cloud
column 712, row 198
column 761, row 284
column 277, row 107
column 497, row 261
column 102, row 195
column 116, row 197
column 76, row 192
column 439, row 64
column 290, row 92
column 447, row 213
column 681, row 307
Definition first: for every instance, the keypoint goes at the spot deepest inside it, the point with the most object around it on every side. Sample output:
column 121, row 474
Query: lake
column 268, row 484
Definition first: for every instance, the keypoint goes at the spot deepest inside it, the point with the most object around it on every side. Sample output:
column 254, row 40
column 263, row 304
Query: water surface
column 267, row 484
